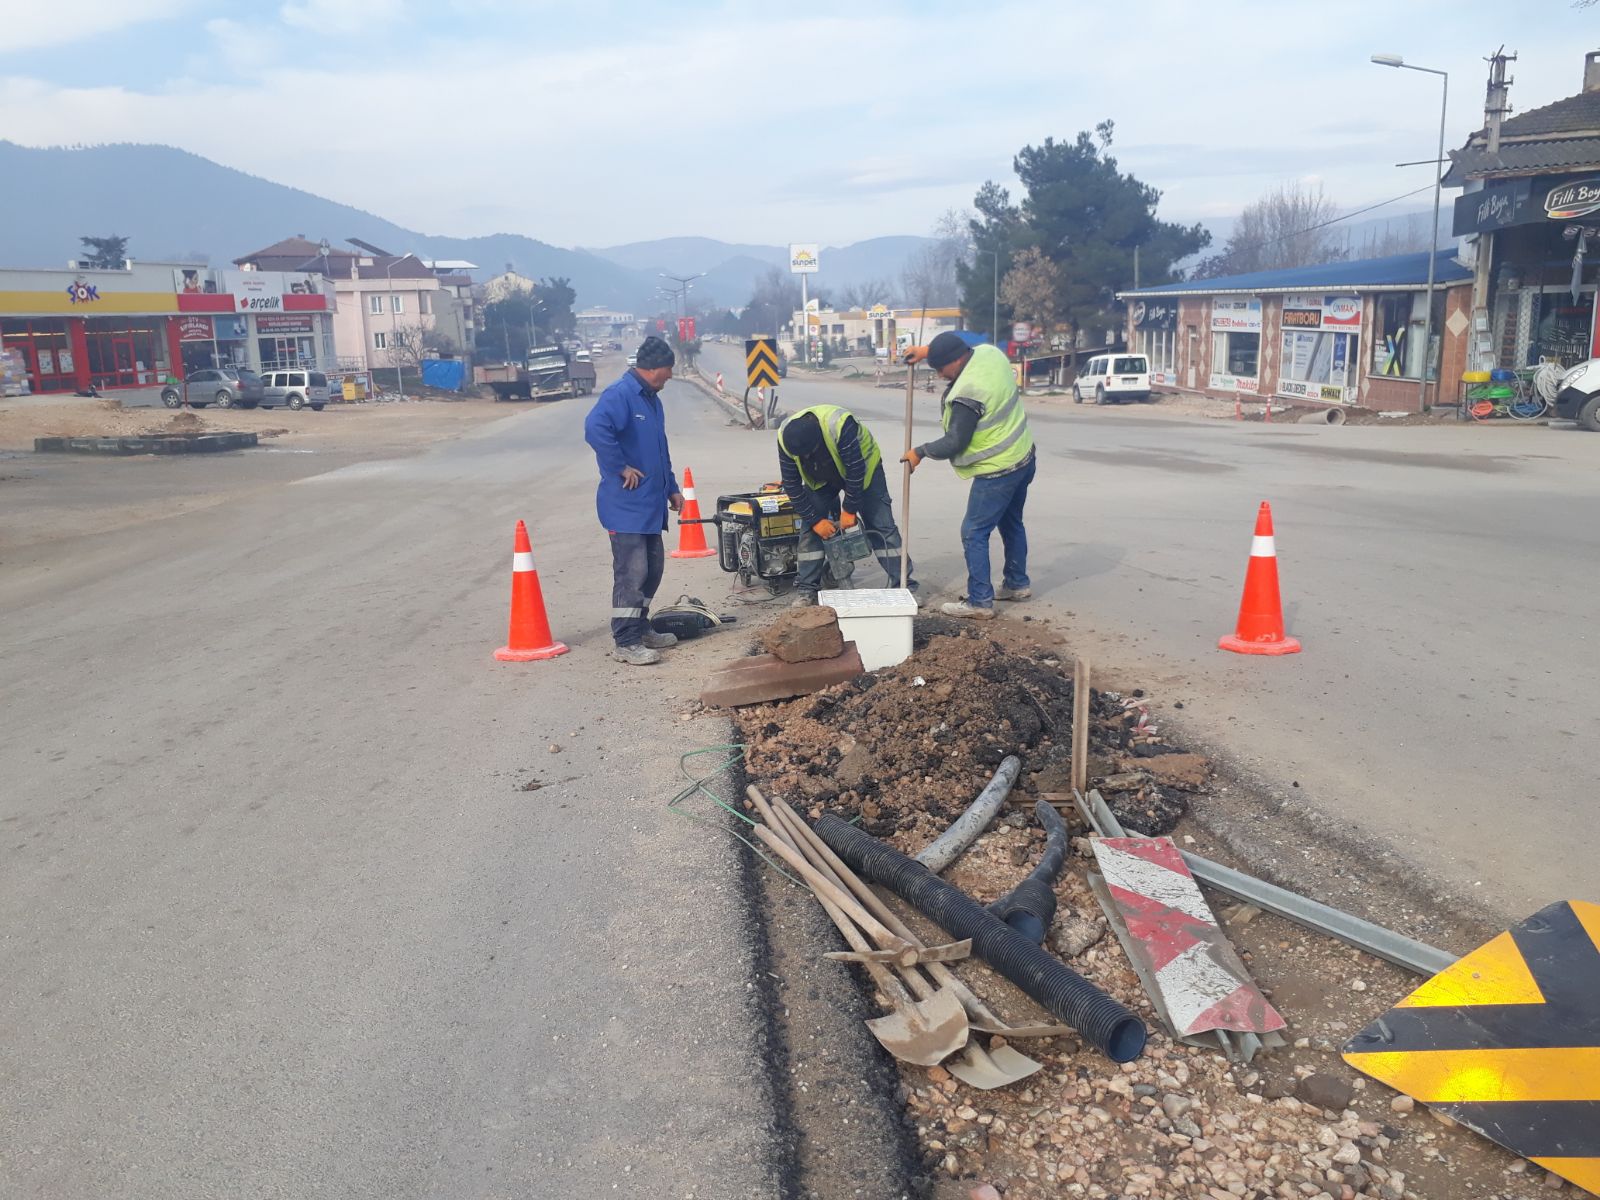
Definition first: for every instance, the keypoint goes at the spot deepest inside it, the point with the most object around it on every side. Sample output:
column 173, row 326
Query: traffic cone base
column 529, row 639
column 691, row 538
column 1260, row 626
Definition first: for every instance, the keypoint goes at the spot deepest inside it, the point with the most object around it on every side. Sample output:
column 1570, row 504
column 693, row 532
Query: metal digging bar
column 1415, row 956
column 1103, row 1022
column 949, row 845
column 1031, row 905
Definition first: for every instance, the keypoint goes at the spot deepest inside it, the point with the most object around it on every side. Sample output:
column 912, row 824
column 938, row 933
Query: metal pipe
column 951, row 844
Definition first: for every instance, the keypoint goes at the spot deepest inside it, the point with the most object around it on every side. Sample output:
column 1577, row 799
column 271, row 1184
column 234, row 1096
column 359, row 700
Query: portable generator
column 758, row 538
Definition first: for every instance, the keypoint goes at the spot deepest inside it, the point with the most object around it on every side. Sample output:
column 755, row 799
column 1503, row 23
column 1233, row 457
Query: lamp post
column 394, row 329
column 1394, row 60
column 682, row 290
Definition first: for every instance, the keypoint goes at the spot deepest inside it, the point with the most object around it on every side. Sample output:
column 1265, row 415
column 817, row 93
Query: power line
column 1380, row 204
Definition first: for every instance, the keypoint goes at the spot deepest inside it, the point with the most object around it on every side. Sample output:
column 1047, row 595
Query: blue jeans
column 995, row 502
column 877, row 518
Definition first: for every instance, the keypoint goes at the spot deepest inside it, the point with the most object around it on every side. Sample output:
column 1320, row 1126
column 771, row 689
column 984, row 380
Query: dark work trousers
column 877, row 518
column 637, row 560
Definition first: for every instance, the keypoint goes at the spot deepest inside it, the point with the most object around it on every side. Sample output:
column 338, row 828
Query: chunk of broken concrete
column 805, row 635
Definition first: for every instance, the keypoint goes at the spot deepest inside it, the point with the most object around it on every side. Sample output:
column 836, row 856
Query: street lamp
column 1394, row 60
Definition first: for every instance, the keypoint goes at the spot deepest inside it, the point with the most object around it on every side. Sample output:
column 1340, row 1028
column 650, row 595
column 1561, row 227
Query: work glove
column 912, row 458
column 916, row 354
column 847, row 520
column 824, row 529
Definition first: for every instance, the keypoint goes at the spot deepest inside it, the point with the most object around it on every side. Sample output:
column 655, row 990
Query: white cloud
column 343, row 16
column 28, row 25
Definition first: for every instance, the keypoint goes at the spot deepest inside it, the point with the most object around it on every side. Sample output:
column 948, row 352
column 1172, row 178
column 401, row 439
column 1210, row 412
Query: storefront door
column 122, row 354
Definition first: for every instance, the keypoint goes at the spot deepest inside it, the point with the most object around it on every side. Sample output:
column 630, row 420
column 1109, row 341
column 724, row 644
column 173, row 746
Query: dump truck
column 549, row 374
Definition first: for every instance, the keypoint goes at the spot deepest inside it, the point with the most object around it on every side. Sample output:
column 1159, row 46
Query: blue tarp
column 447, row 374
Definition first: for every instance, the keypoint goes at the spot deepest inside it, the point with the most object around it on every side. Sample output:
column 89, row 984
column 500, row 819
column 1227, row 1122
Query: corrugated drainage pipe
column 1066, row 995
column 949, row 845
column 1031, row 905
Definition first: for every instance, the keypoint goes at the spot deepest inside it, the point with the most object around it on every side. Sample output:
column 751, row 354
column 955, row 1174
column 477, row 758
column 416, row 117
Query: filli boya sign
column 1571, row 200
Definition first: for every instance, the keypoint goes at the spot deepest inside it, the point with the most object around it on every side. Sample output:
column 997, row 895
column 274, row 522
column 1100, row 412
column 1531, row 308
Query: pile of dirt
column 906, row 749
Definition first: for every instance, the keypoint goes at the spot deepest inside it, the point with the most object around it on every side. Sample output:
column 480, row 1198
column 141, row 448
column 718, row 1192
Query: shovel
column 924, row 1031
column 996, row 1067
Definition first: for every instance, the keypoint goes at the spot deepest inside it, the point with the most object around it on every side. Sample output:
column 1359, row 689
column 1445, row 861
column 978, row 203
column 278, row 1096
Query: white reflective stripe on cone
column 522, row 560
column 1262, row 547
column 688, row 493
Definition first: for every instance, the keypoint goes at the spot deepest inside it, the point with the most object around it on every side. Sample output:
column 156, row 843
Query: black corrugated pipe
column 1031, row 905
column 1066, row 995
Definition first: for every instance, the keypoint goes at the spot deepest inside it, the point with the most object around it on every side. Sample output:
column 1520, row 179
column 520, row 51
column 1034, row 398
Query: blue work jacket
column 628, row 428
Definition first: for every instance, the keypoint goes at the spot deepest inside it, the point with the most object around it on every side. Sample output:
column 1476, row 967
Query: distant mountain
column 174, row 205
column 731, row 269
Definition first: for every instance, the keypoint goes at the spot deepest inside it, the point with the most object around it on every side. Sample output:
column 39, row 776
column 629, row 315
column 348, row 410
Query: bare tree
column 867, row 293
column 929, row 276
column 1403, row 235
column 408, row 345
column 1288, row 227
column 1032, row 287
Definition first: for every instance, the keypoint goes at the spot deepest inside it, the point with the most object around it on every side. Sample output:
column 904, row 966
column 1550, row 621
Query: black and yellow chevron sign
column 761, row 362
column 1507, row 1041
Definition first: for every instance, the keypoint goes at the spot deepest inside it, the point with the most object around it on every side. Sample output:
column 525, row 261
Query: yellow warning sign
column 1507, row 1041
column 761, row 362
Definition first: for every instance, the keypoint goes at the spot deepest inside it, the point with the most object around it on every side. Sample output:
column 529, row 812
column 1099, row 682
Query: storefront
column 1155, row 335
column 1534, row 238
column 138, row 327
column 1341, row 333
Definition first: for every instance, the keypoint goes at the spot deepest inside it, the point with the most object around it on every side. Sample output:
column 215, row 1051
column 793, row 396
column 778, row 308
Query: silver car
column 296, row 389
column 226, row 387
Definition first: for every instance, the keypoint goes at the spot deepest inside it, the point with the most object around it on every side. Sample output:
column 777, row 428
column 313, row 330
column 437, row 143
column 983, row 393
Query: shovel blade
column 990, row 1069
column 924, row 1032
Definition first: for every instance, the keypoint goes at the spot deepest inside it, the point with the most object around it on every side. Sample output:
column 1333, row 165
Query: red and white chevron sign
column 1203, row 984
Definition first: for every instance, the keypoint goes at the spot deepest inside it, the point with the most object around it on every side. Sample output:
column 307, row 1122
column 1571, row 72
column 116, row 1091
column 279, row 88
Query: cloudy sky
column 615, row 120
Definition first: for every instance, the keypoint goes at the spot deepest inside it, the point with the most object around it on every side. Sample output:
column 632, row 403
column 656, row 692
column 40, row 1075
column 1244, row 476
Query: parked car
column 223, row 386
column 294, row 389
column 1113, row 379
column 1578, row 395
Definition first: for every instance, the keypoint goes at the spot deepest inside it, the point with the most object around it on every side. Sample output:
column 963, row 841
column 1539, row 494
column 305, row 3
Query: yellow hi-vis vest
column 832, row 418
column 1001, row 441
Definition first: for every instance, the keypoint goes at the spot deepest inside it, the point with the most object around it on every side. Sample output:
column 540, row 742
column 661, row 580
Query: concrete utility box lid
column 869, row 602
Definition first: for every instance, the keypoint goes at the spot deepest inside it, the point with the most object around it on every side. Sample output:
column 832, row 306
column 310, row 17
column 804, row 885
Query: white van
column 1113, row 379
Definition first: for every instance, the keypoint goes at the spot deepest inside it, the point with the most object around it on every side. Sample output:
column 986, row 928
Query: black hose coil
column 1104, row 1023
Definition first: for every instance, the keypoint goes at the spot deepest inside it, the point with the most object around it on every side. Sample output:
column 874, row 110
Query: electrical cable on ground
column 734, row 753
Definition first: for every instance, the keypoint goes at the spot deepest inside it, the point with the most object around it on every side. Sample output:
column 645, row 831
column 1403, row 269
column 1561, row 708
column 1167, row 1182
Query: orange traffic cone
column 691, row 538
column 1260, row 629
column 529, row 638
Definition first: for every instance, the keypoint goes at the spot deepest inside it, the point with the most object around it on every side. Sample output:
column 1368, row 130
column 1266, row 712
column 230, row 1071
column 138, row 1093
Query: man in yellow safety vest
column 986, row 439
column 824, row 451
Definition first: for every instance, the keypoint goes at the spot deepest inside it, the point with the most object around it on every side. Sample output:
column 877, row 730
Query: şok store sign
column 1320, row 336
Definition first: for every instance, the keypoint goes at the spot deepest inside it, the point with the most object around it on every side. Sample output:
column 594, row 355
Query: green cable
column 697, row 785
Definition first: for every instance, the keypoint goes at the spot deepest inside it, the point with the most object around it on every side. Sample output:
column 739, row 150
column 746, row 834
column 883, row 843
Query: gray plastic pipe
column 949, row 845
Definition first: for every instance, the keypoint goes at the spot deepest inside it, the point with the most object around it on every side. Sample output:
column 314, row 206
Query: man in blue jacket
column 628, row 431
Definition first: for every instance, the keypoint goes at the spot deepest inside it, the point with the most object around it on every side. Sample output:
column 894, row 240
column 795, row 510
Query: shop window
column 380, row 340
column 1318, row 365
column 1158, row 347
column 374, row 304
column 1236, row 354
column 1397, row 335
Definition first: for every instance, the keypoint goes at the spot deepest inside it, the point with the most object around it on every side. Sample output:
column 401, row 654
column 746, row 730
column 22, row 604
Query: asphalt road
column 1443, row 581
column 277, row 916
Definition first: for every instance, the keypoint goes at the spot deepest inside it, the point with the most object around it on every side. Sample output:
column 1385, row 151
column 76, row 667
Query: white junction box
column 877, row 620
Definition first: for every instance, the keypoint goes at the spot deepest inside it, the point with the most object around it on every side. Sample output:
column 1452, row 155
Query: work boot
column 636, row 655
column 1011, row 593
column 960, row 608
column 660, row 641
column 803, row 600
